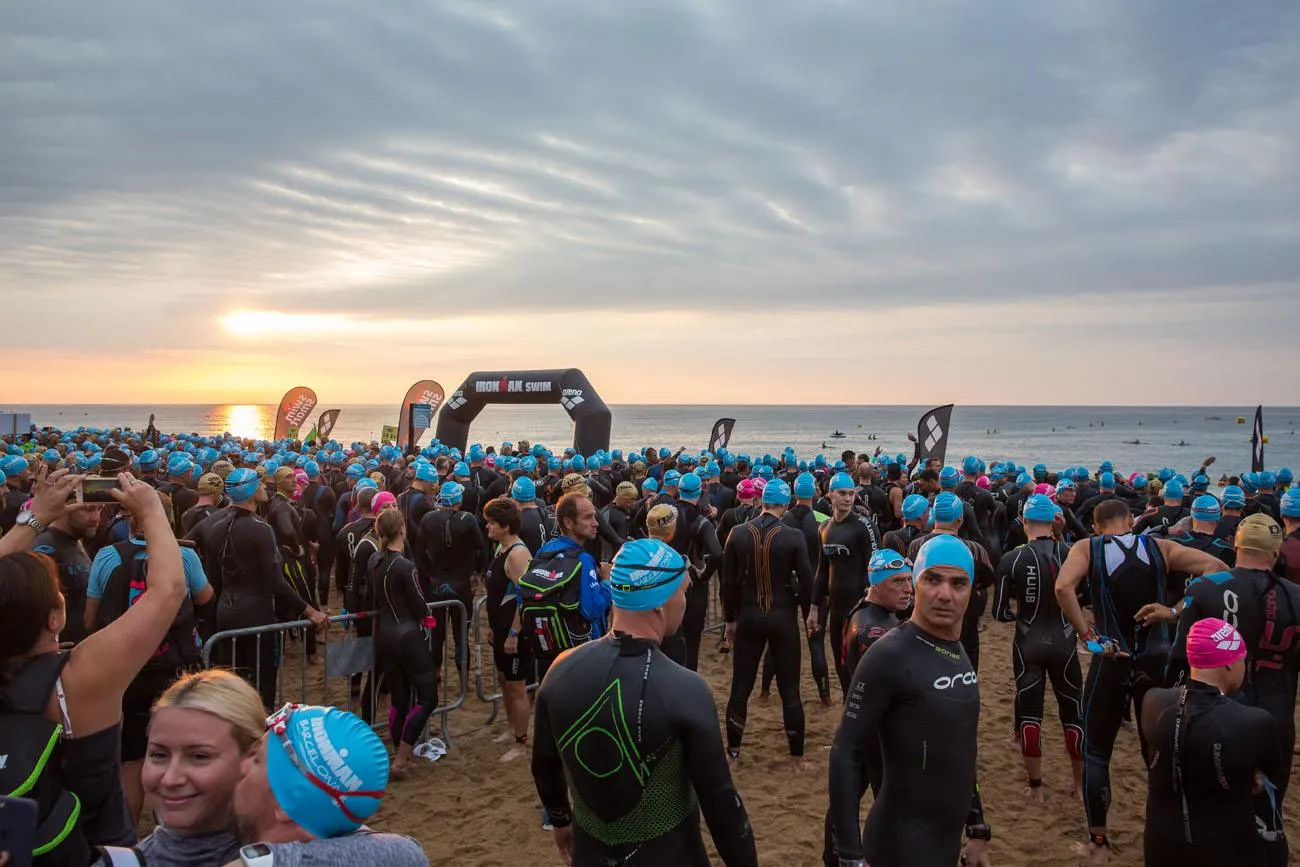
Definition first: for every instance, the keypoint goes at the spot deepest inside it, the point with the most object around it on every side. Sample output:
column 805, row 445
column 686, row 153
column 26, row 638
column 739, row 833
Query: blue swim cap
column 362, row 484
column 593, row 463
column 461, row 470
column 52, row 456
column 944, row 550
column 949, row 477
column 914, row 506
column 841, row 481
column 1106, row 467
column 664, row 453
column 148, row 459
column 1266, row 479
column 450, row 494
column 241, row 485
column 649, row 484
column 947, row 508
column 1107, row 481
column 1164, row 474
column 339, row 750
column 776, row 493
column 1200, row 482
column 523, row 490
column 766, row 472
column 1234, row 497
column 1040, row 508
column 355, row 471
column 885, row 564
column 689, row 487
column 645, row 574
column 672, row 479
column 1081, row 474
column 803, row 466
column 1206, row 508
column 1024, row 479
column 1284, row 476
column 371, row 464
column 1291, row 504
column 426, row 472
column 1173, row 490
column 805, row 486
column 312, row 469
column 1248, row 483
column 839, row 466
column 1139, row 483
column 970, row 465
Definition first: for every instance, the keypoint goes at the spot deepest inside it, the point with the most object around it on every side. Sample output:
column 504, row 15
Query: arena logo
column 967, row 679
column 570, row 398
column 506, row 385
column 457, row 400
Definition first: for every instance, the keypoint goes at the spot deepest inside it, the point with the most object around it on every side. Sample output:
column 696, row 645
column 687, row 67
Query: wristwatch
column 256, row 855
column 979, row 832
column 27, row 518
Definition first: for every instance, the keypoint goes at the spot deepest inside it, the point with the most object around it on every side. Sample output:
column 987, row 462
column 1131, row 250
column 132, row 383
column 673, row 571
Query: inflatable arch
column 570, row 388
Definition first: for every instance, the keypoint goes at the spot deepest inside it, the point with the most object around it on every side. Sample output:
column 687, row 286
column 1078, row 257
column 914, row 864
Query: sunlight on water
column 246, row 420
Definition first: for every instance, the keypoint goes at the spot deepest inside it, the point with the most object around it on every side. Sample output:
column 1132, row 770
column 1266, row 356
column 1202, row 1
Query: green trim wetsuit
column 635, row 737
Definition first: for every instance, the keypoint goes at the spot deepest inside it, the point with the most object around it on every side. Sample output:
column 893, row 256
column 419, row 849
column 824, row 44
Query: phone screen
column 95, row 489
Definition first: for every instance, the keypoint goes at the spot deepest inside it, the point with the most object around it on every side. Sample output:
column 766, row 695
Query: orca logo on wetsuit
column 967, row 679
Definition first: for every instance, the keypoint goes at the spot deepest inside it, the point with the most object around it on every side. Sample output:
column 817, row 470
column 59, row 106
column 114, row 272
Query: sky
column 827, row 202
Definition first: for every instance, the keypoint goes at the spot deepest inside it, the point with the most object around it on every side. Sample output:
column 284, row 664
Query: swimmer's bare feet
column 798, row 765
column 826, row 701
column 1093, row 853
column 513, row 753
column 764, row 695
column 1037, row 794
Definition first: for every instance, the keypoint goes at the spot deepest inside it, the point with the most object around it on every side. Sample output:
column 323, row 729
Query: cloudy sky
column 1091, row 201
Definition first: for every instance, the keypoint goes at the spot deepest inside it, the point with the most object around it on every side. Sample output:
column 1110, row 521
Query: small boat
column 1214, row 418
column 1132, row 442
column 838, row 435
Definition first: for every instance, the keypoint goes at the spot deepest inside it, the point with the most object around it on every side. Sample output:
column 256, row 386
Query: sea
column 1134, row 438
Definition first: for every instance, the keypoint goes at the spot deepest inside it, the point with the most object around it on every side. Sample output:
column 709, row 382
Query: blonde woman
column 204, row 729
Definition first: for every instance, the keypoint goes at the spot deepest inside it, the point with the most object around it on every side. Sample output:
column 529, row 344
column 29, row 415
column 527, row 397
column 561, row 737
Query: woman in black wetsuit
column 401, row 645
column 503, row 517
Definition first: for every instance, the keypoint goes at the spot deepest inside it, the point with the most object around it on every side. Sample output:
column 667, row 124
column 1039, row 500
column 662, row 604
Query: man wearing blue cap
column 1159, row 520
column 1127, row 585
column 17, row 478
column 451, row 558
column 632, row 737
column 848, row 542
column 982, row 506
column 766, row 580
column 1197, row 531
column 1232, row 502
column 1289, row 554
column 695, row 538
column 915, row 681
column 949, row 513
column 1043, row 647
column 318, row 774
column 1265, row 500
column 915, row 510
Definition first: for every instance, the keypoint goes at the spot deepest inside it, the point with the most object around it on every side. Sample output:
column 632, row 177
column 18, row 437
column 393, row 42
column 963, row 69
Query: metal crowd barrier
column 290, row 651
column 485, row 670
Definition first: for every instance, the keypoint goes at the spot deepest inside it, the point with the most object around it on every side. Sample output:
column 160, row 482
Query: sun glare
column 246, row 420
column 251, row 324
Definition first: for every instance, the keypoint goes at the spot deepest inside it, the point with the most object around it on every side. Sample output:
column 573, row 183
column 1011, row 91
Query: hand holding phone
column 95, row 489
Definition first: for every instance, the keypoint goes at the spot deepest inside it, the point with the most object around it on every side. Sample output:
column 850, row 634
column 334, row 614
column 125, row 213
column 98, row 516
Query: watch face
column 257, row 850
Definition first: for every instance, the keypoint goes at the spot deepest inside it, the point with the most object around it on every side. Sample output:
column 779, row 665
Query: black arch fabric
column 569, row 388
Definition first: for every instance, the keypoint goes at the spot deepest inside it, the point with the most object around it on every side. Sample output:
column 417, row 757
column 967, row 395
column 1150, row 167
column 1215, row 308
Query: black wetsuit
column 636, row 736
column 1208, row 543
column 804, row 520
column 1227, row 527
column 867, row 624
column 401, row 648
column 1266, row 611
column 194, row 516
column 918, row 697
column 241, row 547
column 502, row 604
column 732, row 518
column 74, row 577
column 695, row 539
column 535, row 527
column 901, row 539
column 985, row 507
column 847, row 547
column 452, row 550
column 1044, row 647
column 1125, row 573
column 1205, row 750
column 766, row 580
column 283, row 516
column 414, row 505
column 1163, row 518
column 979, row 596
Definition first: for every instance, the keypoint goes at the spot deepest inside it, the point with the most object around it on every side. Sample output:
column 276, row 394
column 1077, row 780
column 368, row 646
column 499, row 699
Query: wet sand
column 470, row 809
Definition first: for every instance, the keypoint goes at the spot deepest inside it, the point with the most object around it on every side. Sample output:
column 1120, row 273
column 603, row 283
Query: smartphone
column 95, row 489
column 18, row 830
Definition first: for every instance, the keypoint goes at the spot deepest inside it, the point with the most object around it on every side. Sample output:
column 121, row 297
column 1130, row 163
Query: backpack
column 549, row 596
column 125, row 586
column 359, row 594
column 30, row 747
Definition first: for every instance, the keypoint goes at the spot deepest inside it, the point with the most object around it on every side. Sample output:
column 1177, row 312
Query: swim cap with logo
column 450, row 494
column 885, row 564
column 1214, row 643
column 776, row 493
column 242, row 484
column 944, row 550
column 1206, row 508
column 523, row 490
column 1040, row 509
column 1290, row 505
column 645, row 575
column 914, row 506
column 841, row 482
column 805, row 486
column 947, row 508
column 1259, row 532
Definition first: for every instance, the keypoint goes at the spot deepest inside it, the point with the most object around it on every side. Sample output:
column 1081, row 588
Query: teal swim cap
column 645, row 575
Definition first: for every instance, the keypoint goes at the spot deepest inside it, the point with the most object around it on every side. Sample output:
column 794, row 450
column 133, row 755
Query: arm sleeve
column 106, row 560
column 723, row 810
column 342, row 560
column 730, row 588
column 286, row 534
column 424, row 551
column 548, row 766
column 593, row 604
column 863, row 712
column 1002, row 593
column 195, row 578
column 415, row 601
column 1177, row 665
column 822, row 581
column 481, row 555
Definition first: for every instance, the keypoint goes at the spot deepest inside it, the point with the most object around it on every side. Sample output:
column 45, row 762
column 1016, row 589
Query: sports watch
column 257, row 855
column 28, row 518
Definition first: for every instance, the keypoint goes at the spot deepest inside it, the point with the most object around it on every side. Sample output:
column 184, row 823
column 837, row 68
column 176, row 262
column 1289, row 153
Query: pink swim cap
column 1046, row 490
column 383, row 498
column 1212, row 643
column 983, row 482
column 759, row 483
column 745, row 490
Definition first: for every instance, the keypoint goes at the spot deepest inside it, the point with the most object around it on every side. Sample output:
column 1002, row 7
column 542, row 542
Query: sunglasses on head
column 900, row 563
